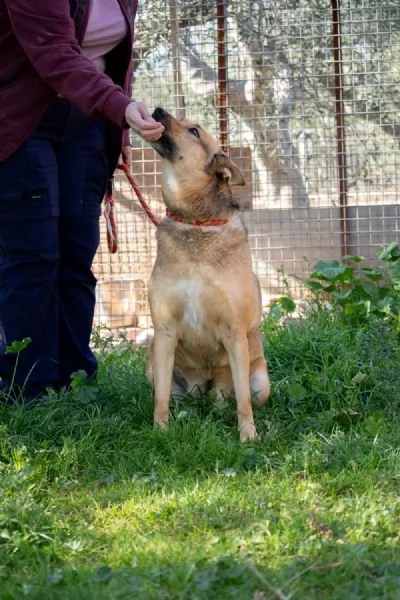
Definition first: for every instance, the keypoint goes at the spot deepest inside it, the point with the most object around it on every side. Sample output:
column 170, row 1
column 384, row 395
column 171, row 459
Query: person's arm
column 46, row 33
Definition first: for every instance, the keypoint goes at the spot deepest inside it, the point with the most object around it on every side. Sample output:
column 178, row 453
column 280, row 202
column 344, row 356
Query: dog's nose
column 159, row 114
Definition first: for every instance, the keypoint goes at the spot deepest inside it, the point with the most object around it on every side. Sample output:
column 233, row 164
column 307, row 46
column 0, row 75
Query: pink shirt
column 106, row 28
column 39, row 61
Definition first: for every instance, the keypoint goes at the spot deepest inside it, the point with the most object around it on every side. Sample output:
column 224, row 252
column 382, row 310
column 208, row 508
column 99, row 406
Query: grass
column 95, row 504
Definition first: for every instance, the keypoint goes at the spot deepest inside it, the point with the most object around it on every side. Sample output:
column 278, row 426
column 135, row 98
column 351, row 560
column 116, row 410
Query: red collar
column 203, row 223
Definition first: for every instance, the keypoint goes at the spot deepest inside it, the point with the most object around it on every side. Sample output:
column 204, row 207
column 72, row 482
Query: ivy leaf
column 332, row 270
column 17, row 347
column 353, row 258
column 394, row 274
column 370, row 289
column 342, row 294
column 287, row 304
column 354, row 308
column 371, row 274
column 390, row 253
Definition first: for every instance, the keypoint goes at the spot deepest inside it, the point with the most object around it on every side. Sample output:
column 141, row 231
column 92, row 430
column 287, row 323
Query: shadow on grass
column 96, row 504
column 329, row 571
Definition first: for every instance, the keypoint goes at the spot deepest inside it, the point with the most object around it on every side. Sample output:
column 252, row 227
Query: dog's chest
column 198, row 323
column 192, row 304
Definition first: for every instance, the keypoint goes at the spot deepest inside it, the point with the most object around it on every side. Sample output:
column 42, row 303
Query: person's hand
column 138, row 116
column 126, row 156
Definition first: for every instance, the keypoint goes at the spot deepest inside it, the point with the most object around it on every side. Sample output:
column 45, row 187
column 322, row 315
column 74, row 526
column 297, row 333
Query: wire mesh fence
column 304, row 97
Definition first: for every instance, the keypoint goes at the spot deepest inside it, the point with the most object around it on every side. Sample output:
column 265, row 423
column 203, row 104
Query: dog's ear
column 225, row 168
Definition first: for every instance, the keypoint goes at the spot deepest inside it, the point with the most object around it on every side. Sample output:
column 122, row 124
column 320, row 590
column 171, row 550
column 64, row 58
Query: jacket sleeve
column 46, row 33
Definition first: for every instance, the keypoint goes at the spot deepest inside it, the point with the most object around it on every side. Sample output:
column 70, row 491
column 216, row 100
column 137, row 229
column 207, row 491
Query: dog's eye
column 194, row 131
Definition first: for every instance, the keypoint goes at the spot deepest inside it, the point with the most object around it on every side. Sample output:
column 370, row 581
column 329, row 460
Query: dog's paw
column 161, row 424
column 248, row 432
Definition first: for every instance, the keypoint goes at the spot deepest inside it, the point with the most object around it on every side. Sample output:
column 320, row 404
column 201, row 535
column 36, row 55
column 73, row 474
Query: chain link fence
column 305, row 97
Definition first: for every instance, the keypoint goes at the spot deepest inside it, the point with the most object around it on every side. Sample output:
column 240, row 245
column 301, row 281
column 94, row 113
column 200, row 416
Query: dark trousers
column 50, row 202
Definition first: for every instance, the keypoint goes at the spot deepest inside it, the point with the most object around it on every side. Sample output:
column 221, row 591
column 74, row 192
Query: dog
column 205, row 300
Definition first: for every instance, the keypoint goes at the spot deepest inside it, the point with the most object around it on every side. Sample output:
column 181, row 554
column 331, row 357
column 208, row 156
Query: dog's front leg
column 238, row 352
column 164, row 345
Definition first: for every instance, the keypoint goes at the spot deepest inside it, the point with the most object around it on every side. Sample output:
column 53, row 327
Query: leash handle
column 109, row 214
column 124, row 167
column 112, row 233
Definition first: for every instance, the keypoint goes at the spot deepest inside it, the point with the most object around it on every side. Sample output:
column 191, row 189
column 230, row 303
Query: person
column 65, row 112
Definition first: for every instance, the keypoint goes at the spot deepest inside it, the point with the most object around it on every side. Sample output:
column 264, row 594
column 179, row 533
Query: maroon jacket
column 40, row 58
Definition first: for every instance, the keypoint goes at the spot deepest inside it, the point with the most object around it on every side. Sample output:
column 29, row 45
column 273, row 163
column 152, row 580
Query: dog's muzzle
column 165, row 146
column 160, row 115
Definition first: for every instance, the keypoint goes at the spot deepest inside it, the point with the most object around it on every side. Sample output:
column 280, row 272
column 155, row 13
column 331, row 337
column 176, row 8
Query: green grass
column 95, row 504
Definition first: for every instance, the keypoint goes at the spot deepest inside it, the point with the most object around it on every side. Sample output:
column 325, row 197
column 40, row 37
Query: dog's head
column 196, row 174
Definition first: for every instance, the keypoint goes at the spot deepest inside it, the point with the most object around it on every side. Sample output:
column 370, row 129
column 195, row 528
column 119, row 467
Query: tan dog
column 204, row 298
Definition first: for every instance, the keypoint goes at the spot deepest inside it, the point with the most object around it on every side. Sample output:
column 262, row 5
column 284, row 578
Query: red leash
column 124, row 167
column 112, row 233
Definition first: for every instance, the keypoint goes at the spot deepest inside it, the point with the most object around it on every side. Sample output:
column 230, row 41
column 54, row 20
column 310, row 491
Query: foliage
column 360, row 291
column 281, row 307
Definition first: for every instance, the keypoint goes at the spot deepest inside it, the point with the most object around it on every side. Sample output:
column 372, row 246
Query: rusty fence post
column 340, row 123
column 222, row 67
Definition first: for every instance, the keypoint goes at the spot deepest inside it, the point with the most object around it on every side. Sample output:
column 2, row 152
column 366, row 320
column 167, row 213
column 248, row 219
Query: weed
column 358, row 290
column 11, row 392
